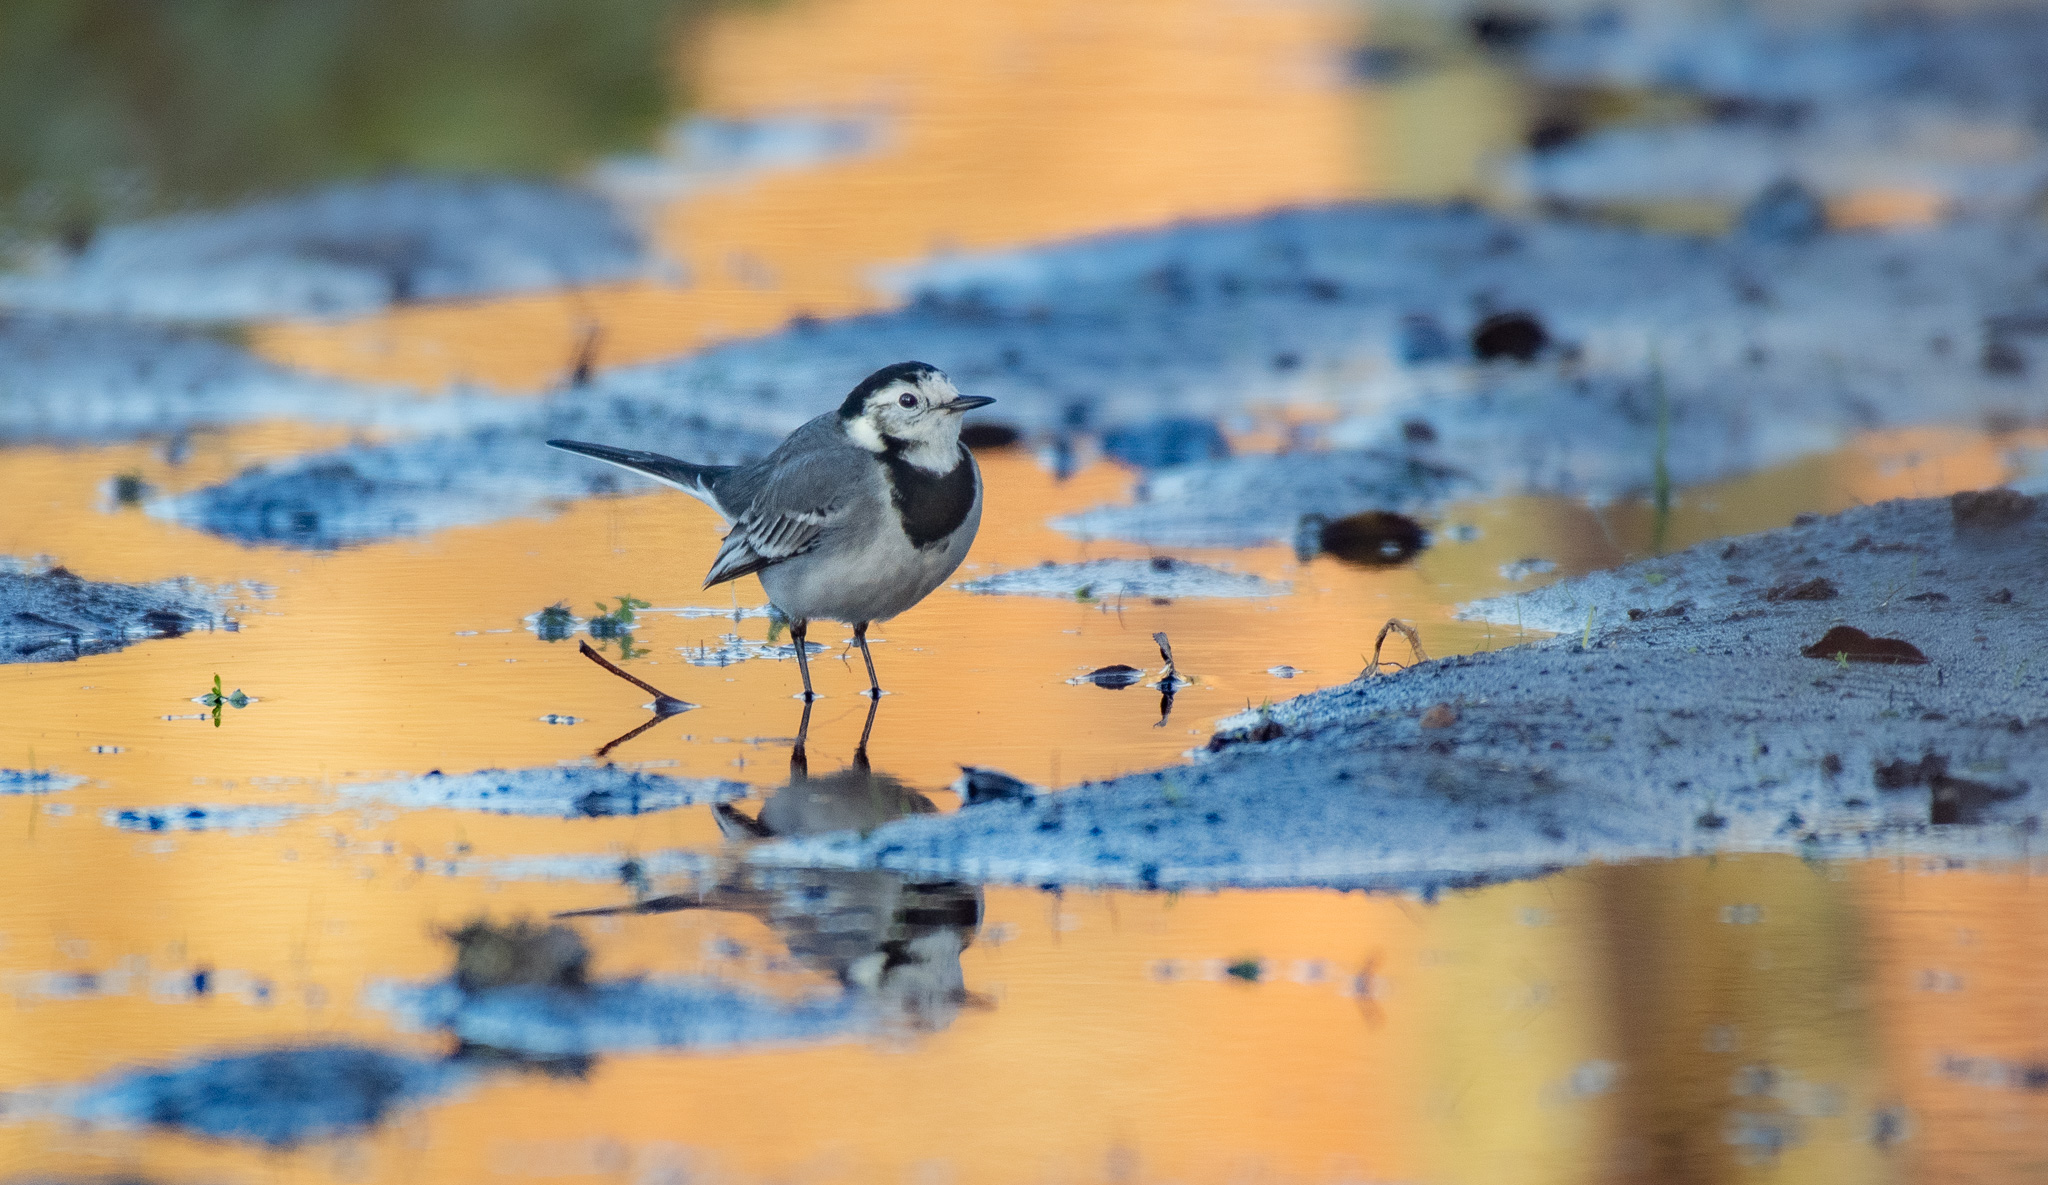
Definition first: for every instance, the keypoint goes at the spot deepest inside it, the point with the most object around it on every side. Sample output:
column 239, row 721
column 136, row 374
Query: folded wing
column 791, row 506
column 759, row 540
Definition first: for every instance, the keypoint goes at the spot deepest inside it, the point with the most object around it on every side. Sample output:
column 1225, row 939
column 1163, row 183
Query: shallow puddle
column 214, row 886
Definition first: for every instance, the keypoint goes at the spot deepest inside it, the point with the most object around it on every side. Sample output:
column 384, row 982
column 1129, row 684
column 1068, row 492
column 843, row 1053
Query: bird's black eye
column 907, row 399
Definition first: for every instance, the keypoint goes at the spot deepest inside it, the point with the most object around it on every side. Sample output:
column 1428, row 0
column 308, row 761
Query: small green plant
column 622, row 615
column 1085, row 593
column 615, row 624
column 1653, row 579
column 1842, row 659
column 1586, row 635
column 216, row 700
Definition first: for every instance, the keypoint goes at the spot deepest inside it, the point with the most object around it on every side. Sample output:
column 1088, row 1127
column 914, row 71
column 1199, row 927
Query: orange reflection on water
column 1004, row 124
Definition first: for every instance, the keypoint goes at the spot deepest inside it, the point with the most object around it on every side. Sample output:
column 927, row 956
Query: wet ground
column 287, row 843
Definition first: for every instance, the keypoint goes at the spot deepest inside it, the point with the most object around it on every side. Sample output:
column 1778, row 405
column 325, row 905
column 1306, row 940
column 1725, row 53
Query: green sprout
column 615, row 624
column 623, row 614
column 216, row 700
column 1586, row 636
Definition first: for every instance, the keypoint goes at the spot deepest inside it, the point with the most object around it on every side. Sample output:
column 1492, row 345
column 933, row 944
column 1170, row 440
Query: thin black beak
column 968, row 403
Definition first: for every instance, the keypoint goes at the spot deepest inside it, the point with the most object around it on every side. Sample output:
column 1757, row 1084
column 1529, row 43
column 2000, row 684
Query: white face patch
column 929, row 429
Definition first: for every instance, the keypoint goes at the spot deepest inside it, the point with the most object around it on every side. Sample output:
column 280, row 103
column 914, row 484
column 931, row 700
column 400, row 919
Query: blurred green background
column 117, row 108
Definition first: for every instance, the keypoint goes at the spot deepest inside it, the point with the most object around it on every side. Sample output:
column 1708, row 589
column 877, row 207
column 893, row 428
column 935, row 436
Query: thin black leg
column 799, row 761
column 860, row 638
column 797, row 630
column 860, row 755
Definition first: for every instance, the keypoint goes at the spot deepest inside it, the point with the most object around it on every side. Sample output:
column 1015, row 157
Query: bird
column 856, row 516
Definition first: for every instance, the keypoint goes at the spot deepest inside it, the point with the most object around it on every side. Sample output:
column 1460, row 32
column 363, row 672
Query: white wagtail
column 855, row 517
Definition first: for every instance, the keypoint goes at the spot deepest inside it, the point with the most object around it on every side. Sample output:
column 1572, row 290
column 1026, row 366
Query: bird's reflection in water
column 895, row 940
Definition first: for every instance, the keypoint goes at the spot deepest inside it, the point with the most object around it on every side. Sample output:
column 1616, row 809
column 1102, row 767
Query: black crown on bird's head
column 910, row 372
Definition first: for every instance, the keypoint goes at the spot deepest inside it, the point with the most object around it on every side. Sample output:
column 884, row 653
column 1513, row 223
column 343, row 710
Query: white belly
column 870, row 583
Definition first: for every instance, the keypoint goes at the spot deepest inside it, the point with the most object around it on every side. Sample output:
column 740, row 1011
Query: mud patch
column 1623, row 739
column 367, row 493
column 36, row 781
column 568, row 792
column 280, row 1097
column 344, row 251
column 78, row 379
column 1114, row 580
column 1937, row 104
column 192, row 817
column 53, row 615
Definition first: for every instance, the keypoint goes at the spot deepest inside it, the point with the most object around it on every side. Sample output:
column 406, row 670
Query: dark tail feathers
column 691, row 479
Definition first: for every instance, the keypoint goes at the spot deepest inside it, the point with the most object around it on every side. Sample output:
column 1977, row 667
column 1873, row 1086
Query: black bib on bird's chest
column 931, row 506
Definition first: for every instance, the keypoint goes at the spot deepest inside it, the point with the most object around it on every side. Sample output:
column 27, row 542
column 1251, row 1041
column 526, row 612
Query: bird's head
column 910, row 407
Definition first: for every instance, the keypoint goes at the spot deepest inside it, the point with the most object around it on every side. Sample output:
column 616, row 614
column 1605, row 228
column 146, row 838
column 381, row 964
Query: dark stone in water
column 1166, row 442
column 980, row 785
column 1857, row 646
column 1515, row 335
column 1504, row 28
column 1375, row 538
column 987, row 435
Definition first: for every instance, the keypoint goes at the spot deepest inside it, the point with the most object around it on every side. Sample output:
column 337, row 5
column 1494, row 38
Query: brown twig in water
column 664, row 703
column 1408, row 632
